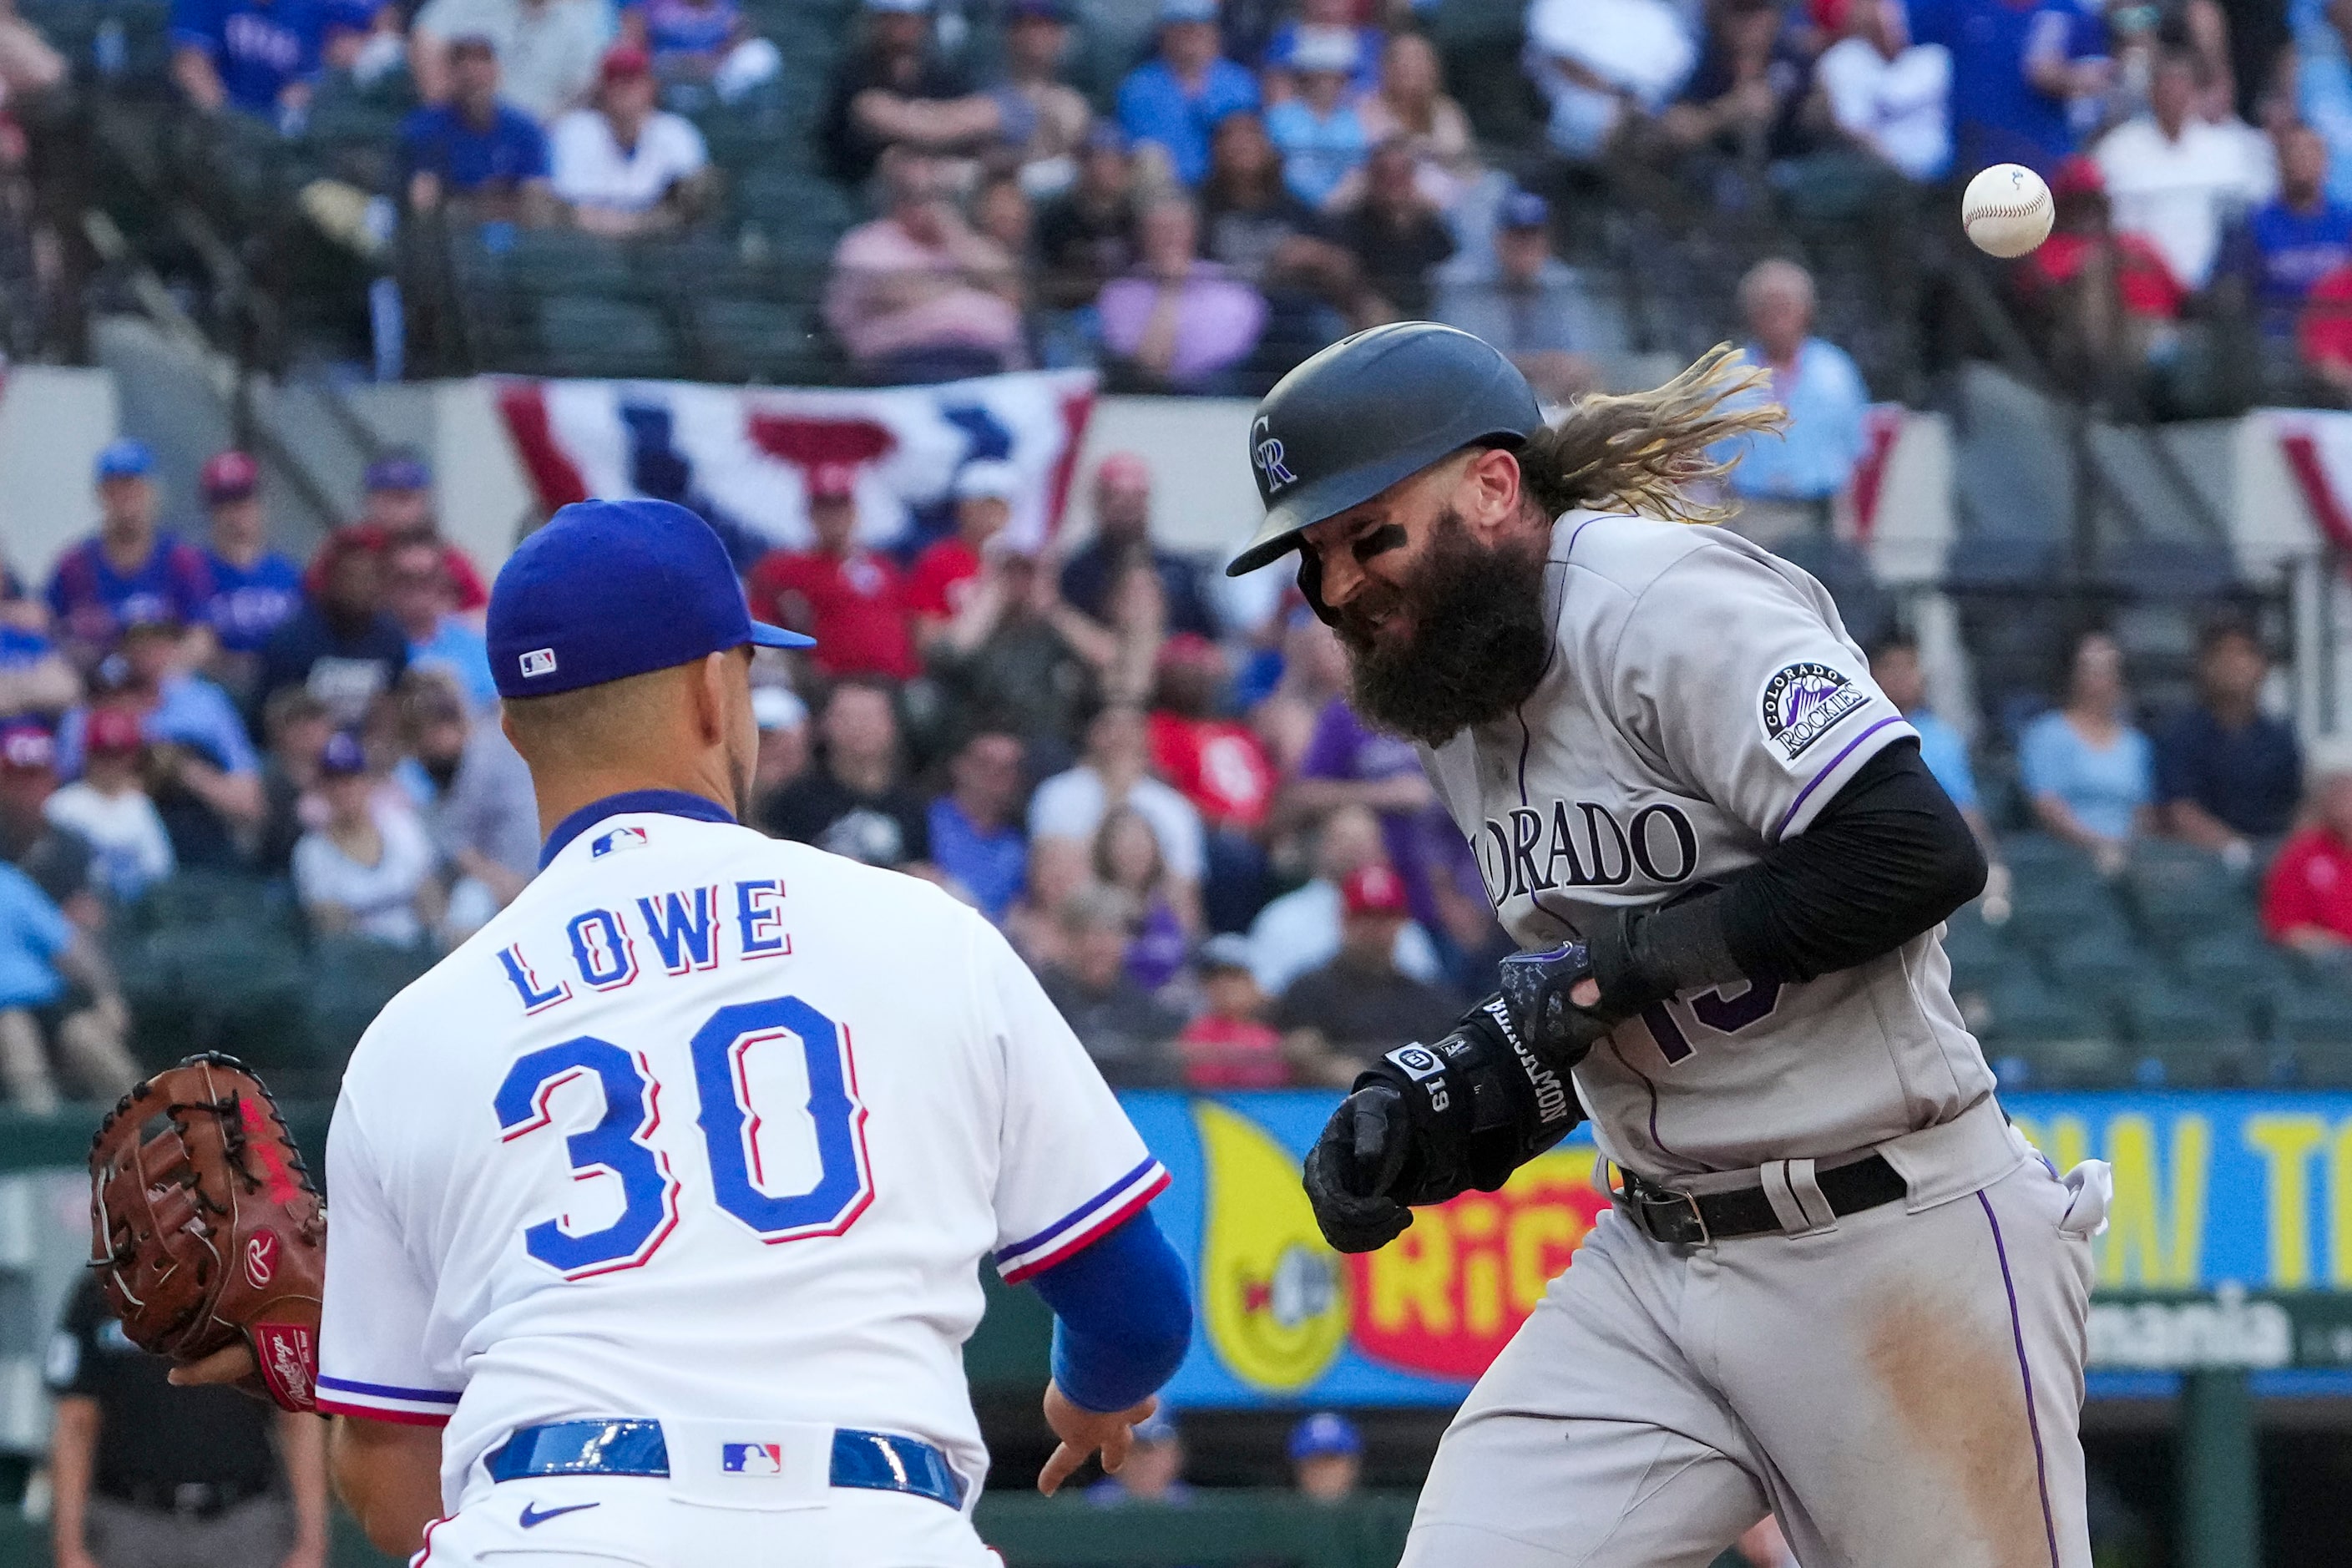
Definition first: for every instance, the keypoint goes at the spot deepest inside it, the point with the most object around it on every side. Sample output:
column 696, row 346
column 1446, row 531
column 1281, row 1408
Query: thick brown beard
column 1480, row 639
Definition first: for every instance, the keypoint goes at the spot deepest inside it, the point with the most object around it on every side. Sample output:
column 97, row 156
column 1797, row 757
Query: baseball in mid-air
column 2006, row 210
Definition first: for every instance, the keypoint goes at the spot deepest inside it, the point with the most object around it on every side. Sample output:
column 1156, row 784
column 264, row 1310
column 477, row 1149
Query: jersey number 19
column 619, row 1144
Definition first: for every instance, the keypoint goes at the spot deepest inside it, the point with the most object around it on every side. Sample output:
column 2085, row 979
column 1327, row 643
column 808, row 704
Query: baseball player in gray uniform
column 1836, row 1284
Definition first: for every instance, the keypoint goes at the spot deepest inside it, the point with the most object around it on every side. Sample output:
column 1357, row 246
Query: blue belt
column 871, row 1461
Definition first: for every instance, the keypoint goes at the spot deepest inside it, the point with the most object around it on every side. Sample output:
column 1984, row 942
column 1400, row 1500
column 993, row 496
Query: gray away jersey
column 1703, row 702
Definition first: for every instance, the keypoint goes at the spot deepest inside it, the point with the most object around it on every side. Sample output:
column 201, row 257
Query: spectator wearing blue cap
column 1154, row 1472
column 398, row 508
column 1326, row 1457
column 129, row 569
column 1317, row 129
column 1523, row 299
column 367, row 870
column 1322, row 16
column 260, row 57
column 1174, row 101
column 481, row 156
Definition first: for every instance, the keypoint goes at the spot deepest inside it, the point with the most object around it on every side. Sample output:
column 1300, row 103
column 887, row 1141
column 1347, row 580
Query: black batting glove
column 1357, row 1162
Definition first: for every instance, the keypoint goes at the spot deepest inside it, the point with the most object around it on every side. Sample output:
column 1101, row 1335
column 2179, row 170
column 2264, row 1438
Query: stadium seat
column 592, row 335
column 350, row 980
column 2191, row 1039
column 2178, row 893
column 2099, row 961
column 2050, row 1039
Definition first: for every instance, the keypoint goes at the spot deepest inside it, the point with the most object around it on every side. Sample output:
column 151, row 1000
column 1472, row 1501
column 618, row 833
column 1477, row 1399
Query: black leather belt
column 1695, row 1219
column 184, row 1499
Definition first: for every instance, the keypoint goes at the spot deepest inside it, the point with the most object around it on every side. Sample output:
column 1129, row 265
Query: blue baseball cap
column 398, row 471
column 1524, row 209
column 1325, row 1432
column 125, row 459
column 609, row 589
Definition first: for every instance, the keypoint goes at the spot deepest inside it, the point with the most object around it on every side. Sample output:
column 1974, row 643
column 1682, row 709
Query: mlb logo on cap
column 751, row 1458
column 603, row 844
column 539, row 661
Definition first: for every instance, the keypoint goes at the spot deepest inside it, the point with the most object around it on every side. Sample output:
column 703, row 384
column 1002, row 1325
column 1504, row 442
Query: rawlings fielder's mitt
column 206, row 1227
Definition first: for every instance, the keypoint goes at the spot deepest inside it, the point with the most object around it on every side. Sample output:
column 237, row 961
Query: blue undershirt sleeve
column 1122, row 1316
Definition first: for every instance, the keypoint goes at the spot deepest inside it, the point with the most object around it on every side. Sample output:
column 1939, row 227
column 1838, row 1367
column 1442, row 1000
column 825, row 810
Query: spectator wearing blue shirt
column 1175, row 100
column 203, row 771
column 1895, row 668
column 2027, row 79
column 2289, row 243
column 482, row 156
column 254, row 586
column 1318, row 133
column 2323, row 84
column 257, row 56
column 36, row 681
column 1282, row 48
column 976, row 837
column 2089, row 772
column 130, row 571
column 2229, row 776
column 1786, row 484
column 53, row 982
column 418, row 596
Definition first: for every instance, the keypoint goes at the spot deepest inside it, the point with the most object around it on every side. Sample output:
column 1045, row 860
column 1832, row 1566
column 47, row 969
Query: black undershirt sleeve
column 1889, row 856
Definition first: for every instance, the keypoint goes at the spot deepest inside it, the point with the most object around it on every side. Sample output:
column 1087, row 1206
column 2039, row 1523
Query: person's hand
column 2109, row 856
column 232, row 1365
column 1085, row 1433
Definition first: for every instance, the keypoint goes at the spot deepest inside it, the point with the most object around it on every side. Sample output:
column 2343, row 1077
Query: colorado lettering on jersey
column 1580, row 844
column 685, row 928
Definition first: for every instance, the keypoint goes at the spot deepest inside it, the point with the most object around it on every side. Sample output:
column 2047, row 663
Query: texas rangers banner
column 744, row 456
column 2229, row 1244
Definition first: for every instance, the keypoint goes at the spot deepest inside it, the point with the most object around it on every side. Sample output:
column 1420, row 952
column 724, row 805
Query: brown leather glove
column 206, row 1227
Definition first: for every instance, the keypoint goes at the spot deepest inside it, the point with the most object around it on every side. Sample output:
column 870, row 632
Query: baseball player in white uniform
column 657, row 1206
column 1836, row 1284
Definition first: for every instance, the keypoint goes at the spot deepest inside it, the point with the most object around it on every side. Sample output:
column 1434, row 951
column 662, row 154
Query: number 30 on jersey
column 620, row 1144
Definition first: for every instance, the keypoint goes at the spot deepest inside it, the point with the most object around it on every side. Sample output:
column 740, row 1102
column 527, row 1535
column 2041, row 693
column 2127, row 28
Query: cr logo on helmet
column 1266, row 451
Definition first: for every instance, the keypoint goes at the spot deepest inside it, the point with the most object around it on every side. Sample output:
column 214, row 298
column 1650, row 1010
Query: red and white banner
column 744, row 457
column 2317, row 446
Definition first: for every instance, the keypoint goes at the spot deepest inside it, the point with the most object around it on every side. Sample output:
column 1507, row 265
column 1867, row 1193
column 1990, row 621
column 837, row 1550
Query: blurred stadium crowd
column 246, row 797
column 264, row 792
column 1190, row 195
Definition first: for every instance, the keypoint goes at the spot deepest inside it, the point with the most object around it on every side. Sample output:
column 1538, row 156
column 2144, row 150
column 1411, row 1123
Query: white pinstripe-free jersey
column 705, row 1125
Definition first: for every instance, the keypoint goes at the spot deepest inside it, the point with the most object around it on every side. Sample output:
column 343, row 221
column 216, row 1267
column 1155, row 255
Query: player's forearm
column 1122, row 1316
column 389, row 1476
column 72, row 1443
column 302, row 1446
column 1888, row 857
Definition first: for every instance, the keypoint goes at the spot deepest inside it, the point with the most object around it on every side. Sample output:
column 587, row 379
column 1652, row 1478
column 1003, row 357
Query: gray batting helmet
column 1366, row 412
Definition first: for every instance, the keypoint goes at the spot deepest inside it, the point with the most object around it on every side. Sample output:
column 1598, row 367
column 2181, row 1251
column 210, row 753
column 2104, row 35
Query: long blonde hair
column 1643, row 451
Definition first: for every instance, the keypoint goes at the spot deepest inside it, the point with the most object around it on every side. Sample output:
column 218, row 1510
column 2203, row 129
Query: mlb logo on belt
column 751, row 1458
column 539, row 661
column 603, row 844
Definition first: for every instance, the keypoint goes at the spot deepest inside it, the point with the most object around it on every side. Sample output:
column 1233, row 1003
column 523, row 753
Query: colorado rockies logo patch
column 1266, row 451
column 1804, row 702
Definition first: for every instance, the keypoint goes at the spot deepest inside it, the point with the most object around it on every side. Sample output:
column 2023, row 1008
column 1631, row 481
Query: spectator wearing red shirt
column 2323, row 335
column 2105, row 299
column 850, row 599
column 1220, row 766
column 2307, row 898
column 938, row 590
column 1230, row 1044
